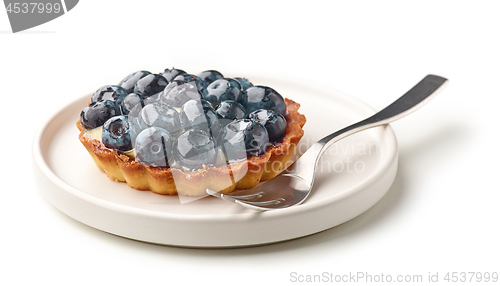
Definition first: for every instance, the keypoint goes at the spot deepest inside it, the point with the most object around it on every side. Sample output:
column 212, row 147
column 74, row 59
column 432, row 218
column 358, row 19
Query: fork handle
column 412, row 100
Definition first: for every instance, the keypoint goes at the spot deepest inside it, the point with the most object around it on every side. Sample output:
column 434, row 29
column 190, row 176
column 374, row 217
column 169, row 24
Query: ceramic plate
column 352, row 176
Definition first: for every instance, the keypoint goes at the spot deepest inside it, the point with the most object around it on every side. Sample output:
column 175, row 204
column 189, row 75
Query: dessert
column 179, row 133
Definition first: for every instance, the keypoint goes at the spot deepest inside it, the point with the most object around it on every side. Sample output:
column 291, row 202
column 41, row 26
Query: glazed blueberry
column 177, row 93
column 242, row 138
column 96, row 113
column 129, row 82
column 171, row 74
column 160, row 115
column 210, row 76
column 222, row 89
column 189, row 78
column 198, row 114
column 262, row 97
column 275, row 123
column 153, row 147
column 150, row 85
column 109, row 92
column 130, row 101
column 195, row 148
column 245, row 83
column 116, row 133
column 228, row 111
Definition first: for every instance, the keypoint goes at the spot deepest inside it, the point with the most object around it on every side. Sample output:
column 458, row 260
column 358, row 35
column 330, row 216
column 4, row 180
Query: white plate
column 353, row 175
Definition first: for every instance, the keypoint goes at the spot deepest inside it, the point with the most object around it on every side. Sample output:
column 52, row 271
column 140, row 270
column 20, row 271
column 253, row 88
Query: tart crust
column 224, row 179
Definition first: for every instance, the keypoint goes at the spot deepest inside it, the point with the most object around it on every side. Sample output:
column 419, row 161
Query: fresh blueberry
column 96, row 113
column 153, row 147
column 171, row 74
column 109, row 92
column 275, row 123
column 129, row 82
column 245, row 83
column 130, row 101
column 229, row 110
column 116, row 133
column 198, row 114
column 177, row 93
column 242, row 138
column 189, row 78
column 150, row 85
column 222, row 89
column 210, row 76
column 195, row 148
column 160, row 115
column 262, row 97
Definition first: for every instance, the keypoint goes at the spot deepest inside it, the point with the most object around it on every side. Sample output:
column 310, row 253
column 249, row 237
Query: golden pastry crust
column 225, row 179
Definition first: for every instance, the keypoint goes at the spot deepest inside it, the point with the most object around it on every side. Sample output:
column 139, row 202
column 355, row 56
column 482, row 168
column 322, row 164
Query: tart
column 179, row 134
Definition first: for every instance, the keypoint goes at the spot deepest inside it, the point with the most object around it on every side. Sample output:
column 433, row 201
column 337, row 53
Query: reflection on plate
column 353, row 175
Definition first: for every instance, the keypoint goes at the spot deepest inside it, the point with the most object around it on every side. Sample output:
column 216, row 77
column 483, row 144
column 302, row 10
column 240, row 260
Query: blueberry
column 262, row 97
column 153, row 147
column 109, row 92
column 116, row 133
column 177, row 93
column 222, row 89
column 242, row 138
column 129, row 82
column 275, row 123
column 150, row 84
column 245, row 83
column 195, row 148
column 189, row 78
column 96, row 113
column 198, row 114
column 171, row 74
column 130, row 101
column 160, row 115
column 228, row 111
column 210, row 76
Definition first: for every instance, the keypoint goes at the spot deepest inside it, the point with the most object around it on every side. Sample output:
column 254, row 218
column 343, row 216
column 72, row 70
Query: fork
column 293, row 186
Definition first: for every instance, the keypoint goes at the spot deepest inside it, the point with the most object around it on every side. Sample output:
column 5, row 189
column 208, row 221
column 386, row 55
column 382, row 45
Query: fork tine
column 243, row 200
column 213, row 193
column 221, row 196
column 257, row 195
column 264, row 203
column 260, row 206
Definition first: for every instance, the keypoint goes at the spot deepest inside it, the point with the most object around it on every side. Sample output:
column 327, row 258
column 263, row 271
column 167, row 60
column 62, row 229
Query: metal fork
column 293, row 186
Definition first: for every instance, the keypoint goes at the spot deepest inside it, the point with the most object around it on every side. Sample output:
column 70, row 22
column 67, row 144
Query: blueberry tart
column 176, row 133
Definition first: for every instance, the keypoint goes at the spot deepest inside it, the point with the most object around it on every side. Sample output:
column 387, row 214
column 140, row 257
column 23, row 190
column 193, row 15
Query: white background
column 440, row 215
